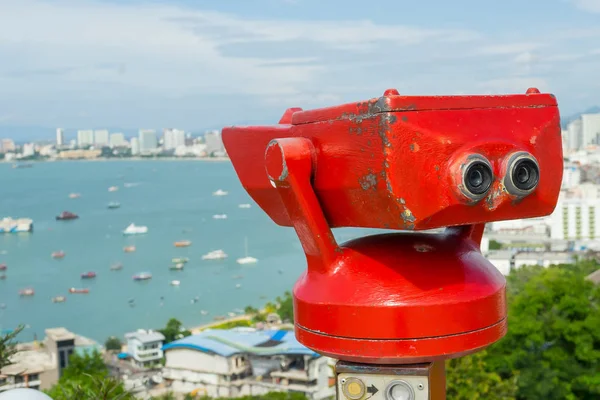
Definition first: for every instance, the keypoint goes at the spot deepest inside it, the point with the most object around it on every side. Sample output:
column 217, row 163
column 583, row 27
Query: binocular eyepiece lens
column 478, row 178
column 525, row 174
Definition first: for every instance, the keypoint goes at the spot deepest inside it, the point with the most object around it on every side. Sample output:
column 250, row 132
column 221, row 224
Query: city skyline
column 238, row 63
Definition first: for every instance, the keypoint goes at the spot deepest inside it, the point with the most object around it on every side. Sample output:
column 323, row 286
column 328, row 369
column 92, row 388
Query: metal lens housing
column 399, row 390
column 477, row 177
column 522, row 174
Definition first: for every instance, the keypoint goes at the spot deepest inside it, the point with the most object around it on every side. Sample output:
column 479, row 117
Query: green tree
column 174, row 330
column 553, row 342
column 468, row 378
column 8, row 346
column 286, row 306
column 495, row 245
column 86, row 378
column 113, row 343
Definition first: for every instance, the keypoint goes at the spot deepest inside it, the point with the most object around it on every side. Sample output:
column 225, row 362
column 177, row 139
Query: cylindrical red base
column 401, row 298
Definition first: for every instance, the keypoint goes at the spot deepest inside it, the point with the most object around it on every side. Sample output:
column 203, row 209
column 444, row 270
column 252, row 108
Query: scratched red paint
column 397, row 162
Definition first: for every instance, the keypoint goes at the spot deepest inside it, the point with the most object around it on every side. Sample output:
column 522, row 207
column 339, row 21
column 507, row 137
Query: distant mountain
column 567, row 120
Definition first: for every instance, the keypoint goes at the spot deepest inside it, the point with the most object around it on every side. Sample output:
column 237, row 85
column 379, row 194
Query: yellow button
column 354, row 389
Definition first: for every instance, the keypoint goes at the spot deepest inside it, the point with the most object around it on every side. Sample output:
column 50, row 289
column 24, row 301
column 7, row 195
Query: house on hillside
column 244, row 361
column 145, row 347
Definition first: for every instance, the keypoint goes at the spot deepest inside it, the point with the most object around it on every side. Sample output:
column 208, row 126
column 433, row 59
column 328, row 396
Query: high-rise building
column 117, row 140
column 135, row 146
column 590, row 124
column 85, row 138
column 574, row 135
column 148, row 140
column 173, row 138
column 7, row 145
column 60, row 137
column 213, row 141
column 28, row 149
column 100, row 137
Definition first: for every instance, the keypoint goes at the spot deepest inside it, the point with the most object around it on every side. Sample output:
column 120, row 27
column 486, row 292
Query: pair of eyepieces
column 522, row 175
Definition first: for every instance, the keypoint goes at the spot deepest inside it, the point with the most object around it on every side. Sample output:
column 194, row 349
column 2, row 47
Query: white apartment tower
column 101, row 137
column 85, row 138
column 173, row 138
column 574, row 135
column 117, row 140
column 590, row 124
column 135, row 146
column 148, row 140
column 60, row 137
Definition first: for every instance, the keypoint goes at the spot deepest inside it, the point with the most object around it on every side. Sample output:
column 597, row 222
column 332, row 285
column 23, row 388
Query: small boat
column 183, row 243
column 58, row 254
column 142, row 276
column 59, row 299
column 179, row 260
column 244, row 205
column 74, row 195
column 2, row 277
column 66, row 216
column 79, row 291
column 203, row 312
column 215, row 255
column 231, row 314
column 132, row 229
column 239, row 285
column 220, row 216
column 116, row 267
column 113, row 188
column 246, row 259
column 26, row 292
column 3, row 267
column 220, row 192
column 113, row 205
column 130, row 184
column 129, row 249
column 177, row 267
column 22, row 165
column 88, row 275
column 175, row 283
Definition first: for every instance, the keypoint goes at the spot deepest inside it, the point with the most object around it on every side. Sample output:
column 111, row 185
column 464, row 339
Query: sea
column 175, row 200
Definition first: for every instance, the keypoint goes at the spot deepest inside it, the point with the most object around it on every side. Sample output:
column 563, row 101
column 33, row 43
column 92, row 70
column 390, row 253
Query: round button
column 354, row 388
column 400, row 390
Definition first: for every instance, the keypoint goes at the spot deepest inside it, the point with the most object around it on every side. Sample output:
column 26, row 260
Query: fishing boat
column 26, row 292
column 220, row 192
column 177, row 267
column 79, row 291
column 59, row 299
column 215, row 255
column 3, row 267
column 113, row 188
column 142, row 276
column 132, row 229
column 246, row 259
column 183, row 243
column 175, row 283
column 113, row 205
column 116, row 267
column 178, row 260
column 129, row 249
column 58, row 254
column 88, row 275
column 66, row 216
column 74, row 195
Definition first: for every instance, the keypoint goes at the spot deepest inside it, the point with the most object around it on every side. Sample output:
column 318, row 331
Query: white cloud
column 588, row 5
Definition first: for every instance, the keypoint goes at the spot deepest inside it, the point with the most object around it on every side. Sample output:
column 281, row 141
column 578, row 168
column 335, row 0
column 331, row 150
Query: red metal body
column 396, row 162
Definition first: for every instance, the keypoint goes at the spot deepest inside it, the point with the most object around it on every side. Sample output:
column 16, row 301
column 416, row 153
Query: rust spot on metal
column 414, row 147
column 533, row 139
column 437, row 167
column 369, row 181
column 404, row 118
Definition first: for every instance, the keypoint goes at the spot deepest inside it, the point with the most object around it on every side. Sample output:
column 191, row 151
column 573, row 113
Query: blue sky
column 196, row 64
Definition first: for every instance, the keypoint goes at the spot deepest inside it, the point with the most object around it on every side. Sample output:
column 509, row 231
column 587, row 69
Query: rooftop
column 145, row 336
column 29, row 362
column 233, row 341
column 59, row 334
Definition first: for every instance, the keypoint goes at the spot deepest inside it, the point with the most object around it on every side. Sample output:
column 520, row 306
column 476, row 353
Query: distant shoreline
column 100, row 159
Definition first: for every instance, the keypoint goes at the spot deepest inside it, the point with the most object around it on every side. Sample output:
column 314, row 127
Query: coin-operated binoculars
column 392, row 307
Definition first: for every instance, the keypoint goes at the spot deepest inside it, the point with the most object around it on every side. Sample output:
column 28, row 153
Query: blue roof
column 226, row 342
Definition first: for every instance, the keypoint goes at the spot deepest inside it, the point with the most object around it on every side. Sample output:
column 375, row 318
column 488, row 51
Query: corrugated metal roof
column 233, row 341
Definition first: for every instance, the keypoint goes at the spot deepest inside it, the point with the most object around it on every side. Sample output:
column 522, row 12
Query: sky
column 81, row 64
